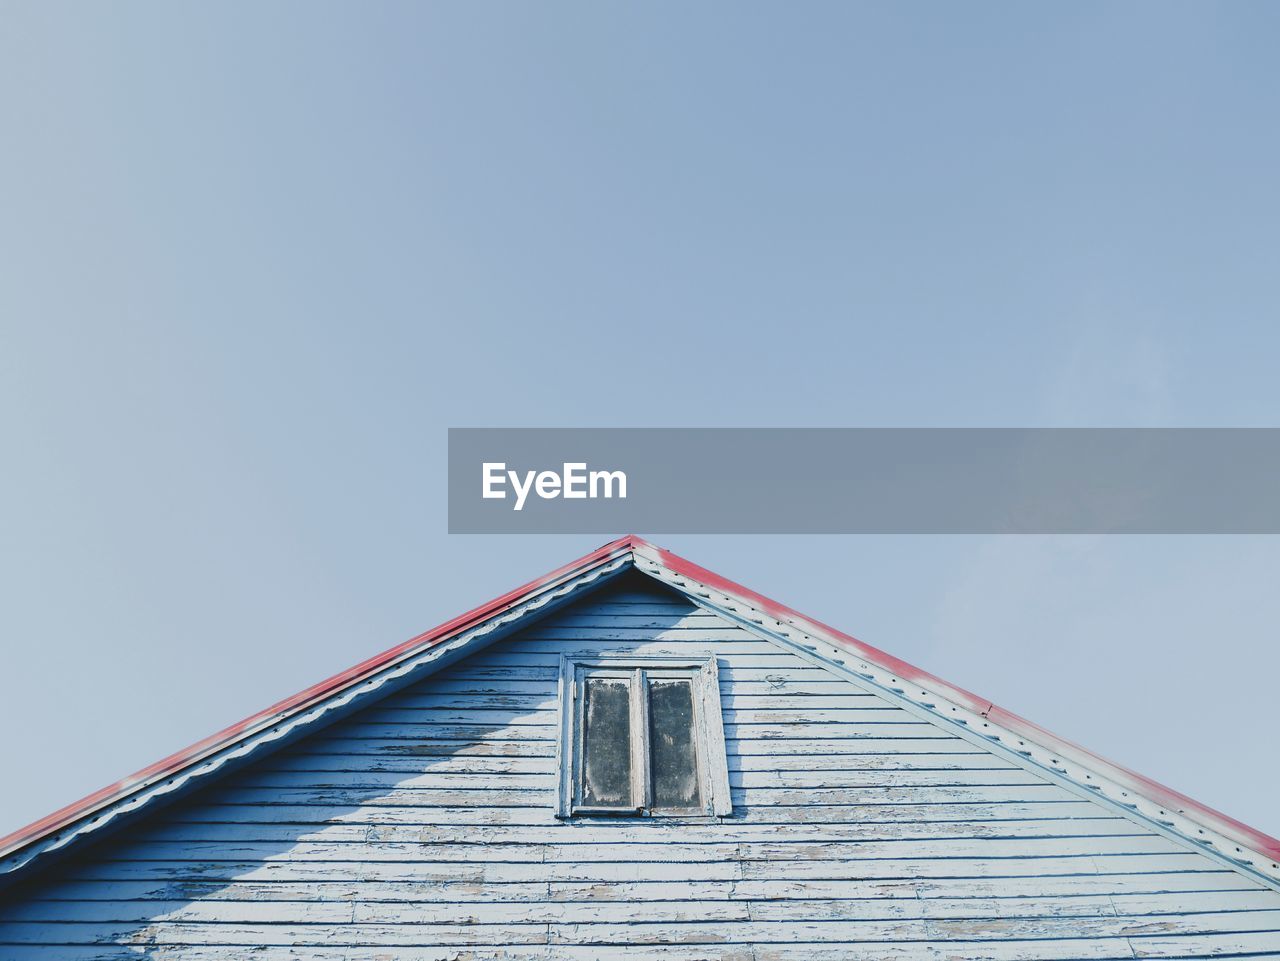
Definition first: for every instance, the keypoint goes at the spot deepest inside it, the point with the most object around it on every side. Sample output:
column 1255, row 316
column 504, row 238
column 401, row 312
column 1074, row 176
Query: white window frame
column 708, row 732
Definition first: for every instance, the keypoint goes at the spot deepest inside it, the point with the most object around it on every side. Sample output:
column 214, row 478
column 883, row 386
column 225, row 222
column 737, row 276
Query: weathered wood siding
column 422, row 829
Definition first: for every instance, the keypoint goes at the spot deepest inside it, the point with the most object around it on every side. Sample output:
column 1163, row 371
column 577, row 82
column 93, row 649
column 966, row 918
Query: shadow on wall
column 424, row 809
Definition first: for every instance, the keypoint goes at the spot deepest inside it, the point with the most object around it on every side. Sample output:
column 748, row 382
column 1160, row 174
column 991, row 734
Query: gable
column 423, row 827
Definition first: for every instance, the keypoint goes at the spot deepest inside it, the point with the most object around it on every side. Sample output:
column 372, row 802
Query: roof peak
column 1167, row 809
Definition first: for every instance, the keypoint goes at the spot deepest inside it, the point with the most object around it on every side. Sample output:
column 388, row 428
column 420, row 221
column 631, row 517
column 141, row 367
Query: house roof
column 1165, row 808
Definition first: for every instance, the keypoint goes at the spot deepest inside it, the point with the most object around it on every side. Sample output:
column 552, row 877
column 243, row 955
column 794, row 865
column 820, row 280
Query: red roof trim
column 1140, row 785
column 303, row 700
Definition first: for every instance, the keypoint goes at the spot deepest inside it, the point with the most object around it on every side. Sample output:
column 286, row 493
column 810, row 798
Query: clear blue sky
column 255, row 259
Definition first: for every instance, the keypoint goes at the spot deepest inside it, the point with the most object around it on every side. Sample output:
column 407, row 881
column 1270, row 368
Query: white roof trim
column 397, row 674
column 1084, row 780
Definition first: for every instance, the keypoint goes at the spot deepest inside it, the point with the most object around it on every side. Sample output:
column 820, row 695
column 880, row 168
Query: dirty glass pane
column 673, row 761
column 606, row 742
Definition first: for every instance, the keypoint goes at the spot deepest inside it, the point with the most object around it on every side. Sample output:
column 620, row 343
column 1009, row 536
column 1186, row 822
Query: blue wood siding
column 422, row 828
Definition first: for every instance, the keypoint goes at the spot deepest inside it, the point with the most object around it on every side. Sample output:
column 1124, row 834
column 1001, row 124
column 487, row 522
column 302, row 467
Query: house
column 632, row 757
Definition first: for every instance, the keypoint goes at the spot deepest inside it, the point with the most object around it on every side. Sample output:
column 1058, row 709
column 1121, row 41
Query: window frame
column 708, row 732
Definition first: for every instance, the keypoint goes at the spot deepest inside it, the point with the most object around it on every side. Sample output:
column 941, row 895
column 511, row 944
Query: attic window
column 641, row 736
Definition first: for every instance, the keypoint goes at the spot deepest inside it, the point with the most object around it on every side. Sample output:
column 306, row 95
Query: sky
column 256, row 259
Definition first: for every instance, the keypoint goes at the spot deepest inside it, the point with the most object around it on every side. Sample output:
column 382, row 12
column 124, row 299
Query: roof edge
column 1207, row 825
column 121, row 791
column 1242, row 839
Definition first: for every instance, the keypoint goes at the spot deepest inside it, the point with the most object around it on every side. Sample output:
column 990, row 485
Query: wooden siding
column 423, row 828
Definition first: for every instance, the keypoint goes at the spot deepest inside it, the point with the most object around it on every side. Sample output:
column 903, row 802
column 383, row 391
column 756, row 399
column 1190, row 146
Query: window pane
column 606, row 742
column 673, row 762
